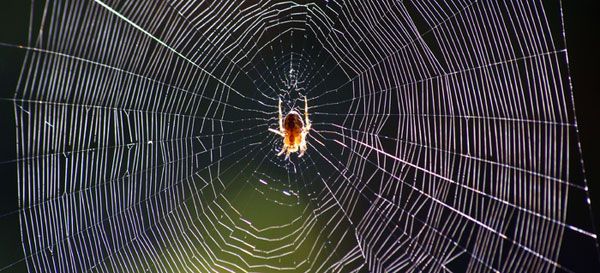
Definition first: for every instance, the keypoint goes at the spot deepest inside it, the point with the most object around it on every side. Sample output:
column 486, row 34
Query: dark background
column 583, row 36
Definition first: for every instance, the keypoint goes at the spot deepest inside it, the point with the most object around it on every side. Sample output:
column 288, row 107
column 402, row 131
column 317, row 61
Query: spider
column 293, row 130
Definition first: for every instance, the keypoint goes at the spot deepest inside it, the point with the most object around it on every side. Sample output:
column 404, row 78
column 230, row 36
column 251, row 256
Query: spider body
column 293, row 130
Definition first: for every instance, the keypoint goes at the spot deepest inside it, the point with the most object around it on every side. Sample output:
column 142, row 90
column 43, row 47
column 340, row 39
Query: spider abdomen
column 292, row 126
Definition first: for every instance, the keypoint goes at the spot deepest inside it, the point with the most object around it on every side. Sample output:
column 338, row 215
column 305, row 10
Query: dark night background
column 582, row 33
column 581, row 26
column 581, row 23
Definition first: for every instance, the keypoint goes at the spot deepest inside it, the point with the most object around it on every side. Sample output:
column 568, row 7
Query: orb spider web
column 444, row 138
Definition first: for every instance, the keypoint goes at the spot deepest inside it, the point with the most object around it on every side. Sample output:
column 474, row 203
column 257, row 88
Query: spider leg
column 282, row 151
column 280, row 132
column 280, row 117
column 276, row 132
column 302, row 147
column 306, row 120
